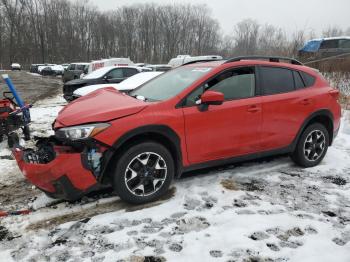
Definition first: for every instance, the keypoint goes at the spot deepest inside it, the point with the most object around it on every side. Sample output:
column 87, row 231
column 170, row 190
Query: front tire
column 26, row 132
column 312, row 146
column 144, row 173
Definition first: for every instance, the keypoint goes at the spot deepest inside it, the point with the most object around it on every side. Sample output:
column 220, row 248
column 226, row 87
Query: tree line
column 59, row 31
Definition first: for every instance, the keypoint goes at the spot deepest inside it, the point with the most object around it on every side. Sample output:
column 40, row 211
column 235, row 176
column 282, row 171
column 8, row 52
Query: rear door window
column 330, row 44
column 115, row 73
column 129, row 72
column 275, row 80
column 81, row 67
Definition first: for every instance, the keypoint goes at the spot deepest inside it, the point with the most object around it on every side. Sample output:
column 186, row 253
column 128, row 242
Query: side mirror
column 106, row 78
column 212, row 98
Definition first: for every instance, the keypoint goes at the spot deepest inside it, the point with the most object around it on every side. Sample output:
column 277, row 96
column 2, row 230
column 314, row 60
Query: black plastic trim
column 64, row 189
column 275, row 59
column 238, row 159
column 201, row 61
column 322, row 112
column 162, row 130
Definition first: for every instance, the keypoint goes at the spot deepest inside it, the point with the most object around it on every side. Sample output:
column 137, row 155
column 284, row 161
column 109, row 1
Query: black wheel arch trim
column 308, row 120
column 162, row 130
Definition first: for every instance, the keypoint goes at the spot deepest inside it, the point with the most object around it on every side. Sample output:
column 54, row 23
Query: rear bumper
column 65, row 177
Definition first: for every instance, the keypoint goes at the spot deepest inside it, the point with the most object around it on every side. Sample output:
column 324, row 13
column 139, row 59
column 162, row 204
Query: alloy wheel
column 314, row 145
column 145, row 174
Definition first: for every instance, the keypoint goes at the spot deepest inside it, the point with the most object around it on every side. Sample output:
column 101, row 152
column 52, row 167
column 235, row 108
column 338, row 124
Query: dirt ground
column 32, row 88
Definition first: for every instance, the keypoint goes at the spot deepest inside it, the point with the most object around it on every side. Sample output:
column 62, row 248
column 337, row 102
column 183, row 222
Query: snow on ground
column 268, row 210
column 33, row 74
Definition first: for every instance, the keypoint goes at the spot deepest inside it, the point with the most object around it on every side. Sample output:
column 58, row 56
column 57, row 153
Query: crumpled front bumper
column 65, row 177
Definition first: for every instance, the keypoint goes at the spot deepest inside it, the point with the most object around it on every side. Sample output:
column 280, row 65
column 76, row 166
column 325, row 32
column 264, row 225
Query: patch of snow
column 33, row 74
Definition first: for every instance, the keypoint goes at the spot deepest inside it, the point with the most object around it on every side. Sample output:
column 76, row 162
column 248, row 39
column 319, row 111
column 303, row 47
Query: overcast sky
column 289, row 14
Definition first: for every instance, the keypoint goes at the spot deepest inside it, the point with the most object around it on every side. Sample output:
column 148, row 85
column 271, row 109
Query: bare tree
column 57, row 31
column 332, row 31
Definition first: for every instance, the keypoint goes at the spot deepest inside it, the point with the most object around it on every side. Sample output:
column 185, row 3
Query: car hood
column 78, row 82
column 100, row 106
column 89, row 89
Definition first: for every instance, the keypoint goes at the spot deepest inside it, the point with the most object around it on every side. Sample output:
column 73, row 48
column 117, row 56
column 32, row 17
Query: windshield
column 137, row 80
column 170, row 84
column 98, row 73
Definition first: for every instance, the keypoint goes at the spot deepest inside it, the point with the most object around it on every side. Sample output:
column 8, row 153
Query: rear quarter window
column 275, row 80
column 309, row 80
column 299, row 82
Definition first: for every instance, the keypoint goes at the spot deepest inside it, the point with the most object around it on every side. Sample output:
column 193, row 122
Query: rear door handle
column 306, row 102
column 253, row 109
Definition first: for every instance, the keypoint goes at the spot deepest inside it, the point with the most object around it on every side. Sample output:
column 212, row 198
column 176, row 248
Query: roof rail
column 270, row 58
column 201, row 61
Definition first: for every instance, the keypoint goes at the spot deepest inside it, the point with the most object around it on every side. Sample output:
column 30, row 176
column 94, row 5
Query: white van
column 183, row 59
column 110, row 62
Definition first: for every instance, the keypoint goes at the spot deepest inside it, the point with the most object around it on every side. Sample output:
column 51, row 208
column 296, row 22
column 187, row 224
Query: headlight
column 81, row 132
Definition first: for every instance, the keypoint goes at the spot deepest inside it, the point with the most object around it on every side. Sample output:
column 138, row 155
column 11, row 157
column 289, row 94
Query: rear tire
column 144, row 173
column 312, row 146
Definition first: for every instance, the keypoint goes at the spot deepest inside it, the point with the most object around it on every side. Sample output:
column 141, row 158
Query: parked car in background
column 140, row 64
column 183, row 59
column 34, row 68
column 110, row 62
column 65, row 66
column 15, row 67
column 192, row 117
column 325, row 47
column 74, row 71
column 41, row 67
column 109, row 74
column 125, row 86
column 159, row 68
column 56, row 70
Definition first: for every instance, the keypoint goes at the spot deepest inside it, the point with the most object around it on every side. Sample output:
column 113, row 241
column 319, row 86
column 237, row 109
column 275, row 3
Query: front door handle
column 253, row 109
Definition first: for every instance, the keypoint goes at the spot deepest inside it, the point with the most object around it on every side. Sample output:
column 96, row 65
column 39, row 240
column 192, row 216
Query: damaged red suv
column 195, row 116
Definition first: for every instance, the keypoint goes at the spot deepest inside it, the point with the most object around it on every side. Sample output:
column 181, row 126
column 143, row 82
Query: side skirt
column 238, row 159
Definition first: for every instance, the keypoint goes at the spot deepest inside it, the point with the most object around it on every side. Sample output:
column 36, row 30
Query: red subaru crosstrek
column 195, row 116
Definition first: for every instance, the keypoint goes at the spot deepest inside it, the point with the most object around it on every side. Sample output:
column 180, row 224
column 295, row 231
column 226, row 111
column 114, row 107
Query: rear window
column 129, row 72
column 344, row 43
column 276, row 80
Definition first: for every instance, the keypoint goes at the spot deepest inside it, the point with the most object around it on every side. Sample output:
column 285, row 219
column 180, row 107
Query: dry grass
column 229, row 184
